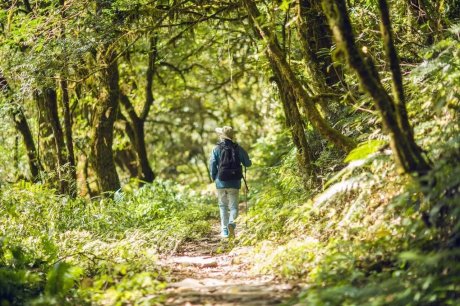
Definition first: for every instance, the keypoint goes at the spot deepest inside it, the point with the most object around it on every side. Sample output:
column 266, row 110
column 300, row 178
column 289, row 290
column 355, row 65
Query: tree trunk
column 393, row 59
column 21, row 125
column 54, row 148
column 102, row 126
column 137, row 122
column 146, row 173
column 46, row 146
column 406, row 152
column 137, row 137
column 314, row 34
column 397, row 81
column 289, row 79
column 68, row 138
column 51, row 111
column 295, row 124
column 67, row 115
column 82, row 176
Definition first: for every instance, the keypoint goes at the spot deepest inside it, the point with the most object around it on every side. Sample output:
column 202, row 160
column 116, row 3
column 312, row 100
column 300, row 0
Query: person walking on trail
column 226, row 171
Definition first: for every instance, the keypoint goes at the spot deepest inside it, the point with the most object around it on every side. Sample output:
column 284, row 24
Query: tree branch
column 152, row 57
column 124, row 99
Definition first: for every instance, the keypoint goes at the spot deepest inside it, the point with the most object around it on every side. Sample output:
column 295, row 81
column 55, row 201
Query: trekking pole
column 246, row 190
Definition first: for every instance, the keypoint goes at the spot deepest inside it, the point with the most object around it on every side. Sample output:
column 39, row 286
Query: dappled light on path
column 205, row 273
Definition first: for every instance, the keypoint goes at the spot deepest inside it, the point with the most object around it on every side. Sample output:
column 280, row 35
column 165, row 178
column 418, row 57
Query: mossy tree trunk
column 294, row 121
column 102, row 125
column 289, row 79
column 315, row 36
column 295, row 125
column 407, row 154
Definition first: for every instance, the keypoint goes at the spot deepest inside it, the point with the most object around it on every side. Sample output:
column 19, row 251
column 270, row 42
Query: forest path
column 202, row 274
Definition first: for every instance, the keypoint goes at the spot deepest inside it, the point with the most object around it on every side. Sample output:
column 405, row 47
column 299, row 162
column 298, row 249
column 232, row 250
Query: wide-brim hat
column 226, row 132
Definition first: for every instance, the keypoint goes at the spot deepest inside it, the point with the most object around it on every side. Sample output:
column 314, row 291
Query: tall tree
column 407, row 154
column 103, row 121
column 289, row 79
column 106, row 109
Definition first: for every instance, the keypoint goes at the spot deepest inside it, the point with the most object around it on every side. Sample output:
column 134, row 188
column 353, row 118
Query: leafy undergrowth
column 372, row 236
column 56, row 250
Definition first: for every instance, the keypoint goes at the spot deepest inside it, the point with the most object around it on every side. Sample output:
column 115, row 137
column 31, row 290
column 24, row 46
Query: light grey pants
column 228, row 200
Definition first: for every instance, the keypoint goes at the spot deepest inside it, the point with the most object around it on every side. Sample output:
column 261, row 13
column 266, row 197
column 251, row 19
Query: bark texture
column 102, row 126
column 46, row 148
column 22, row 126
column 315, row 35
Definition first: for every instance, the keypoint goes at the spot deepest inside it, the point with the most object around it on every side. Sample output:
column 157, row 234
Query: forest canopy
column 347, row 108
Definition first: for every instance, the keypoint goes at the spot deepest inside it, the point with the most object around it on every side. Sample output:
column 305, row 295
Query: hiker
column 226, row 171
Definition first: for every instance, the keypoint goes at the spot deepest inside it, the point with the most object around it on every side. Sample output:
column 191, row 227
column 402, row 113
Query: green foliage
column 372, row 237
column 291, row 261
column 17, row 282
column 57, row 249
column 356, row 233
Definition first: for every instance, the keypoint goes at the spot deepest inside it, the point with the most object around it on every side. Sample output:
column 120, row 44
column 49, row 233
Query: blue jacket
column 214, row 163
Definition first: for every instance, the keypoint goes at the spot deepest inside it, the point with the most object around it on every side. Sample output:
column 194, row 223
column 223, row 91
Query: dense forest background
column 349, row 111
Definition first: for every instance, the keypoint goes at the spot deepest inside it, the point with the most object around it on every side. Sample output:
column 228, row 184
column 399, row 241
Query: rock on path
column 202, row 277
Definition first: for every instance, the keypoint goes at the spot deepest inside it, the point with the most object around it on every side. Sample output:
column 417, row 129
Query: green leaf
column 284, row 6
column 62, row 278
column 364, row 150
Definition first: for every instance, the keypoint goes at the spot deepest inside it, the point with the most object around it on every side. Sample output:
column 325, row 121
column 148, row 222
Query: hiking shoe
column 224, row 233
column 231, row 230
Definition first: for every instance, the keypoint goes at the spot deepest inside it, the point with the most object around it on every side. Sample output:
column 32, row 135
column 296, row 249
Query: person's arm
column 244, row 158
column 213, row 161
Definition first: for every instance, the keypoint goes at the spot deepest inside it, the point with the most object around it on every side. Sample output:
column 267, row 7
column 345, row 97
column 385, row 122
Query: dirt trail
column 201, row 276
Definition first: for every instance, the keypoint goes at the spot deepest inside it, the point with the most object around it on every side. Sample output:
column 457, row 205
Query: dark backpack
column 229, row 165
